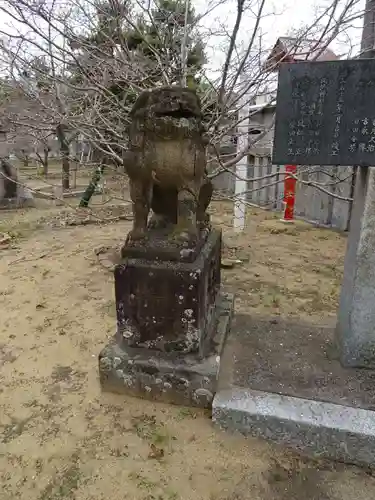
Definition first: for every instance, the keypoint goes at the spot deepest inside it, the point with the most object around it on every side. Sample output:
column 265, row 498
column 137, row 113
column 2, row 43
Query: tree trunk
column 90, row 190
column 65, row 160
column 25, row 161
column 45, row 162
column 368, row 33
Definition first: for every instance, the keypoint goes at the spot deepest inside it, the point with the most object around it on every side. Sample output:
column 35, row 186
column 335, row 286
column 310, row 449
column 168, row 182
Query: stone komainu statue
column 12, row 192
column 166, row 162
column 8, row 180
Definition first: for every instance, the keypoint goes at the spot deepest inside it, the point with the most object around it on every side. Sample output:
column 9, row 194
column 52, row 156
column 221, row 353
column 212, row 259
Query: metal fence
column 312, row 204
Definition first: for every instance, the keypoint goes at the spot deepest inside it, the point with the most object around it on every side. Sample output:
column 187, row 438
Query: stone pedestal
column 296, row 395
column 355, row 332
column 172, row 320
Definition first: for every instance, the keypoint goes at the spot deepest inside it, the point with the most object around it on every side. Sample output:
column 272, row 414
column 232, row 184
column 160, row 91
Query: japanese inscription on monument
column 325, row 113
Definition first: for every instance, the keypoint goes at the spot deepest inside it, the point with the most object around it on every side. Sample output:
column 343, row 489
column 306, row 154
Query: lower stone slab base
column 317, row 428
column 281, row 380
column 183, row 380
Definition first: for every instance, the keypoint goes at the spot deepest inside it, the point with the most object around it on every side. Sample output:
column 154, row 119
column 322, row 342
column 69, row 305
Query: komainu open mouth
column 178, row 114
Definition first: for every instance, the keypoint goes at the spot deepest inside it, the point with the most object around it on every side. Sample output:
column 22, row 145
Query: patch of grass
column 317, row 300
column 272, row 216
column 160, row 437
column 268, row 294
column 146, row 427
column 170, row 495
column 14, row 429
column 276, row 300
column 109, row 307
column 274, row 230
column 273, row 296
column 62, row 373
column 271, row 299
column 154, row 489
column 143, row 481
column 17, row 230
column 118, row 453
column 329, row 270
column 292, row 230
column 64, row 486
column 38, row 465
column 186, row 413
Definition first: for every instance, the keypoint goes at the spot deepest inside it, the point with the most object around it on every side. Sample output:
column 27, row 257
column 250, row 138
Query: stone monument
column 12, row 193
column 326, row 116
column 308, row 387
column 172, row 317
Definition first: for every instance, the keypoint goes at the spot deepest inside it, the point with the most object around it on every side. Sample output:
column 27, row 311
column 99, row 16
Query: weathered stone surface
column 171, row 319
column 294, row 358
column 317, row 428
column 323, row 115
column 169, row 306
column 172, row 377
column 167, row 161
column 355, row 332
column 164, row 204
column 12, row 193
column 280, row 379
column 8, row 175
column 159, row 246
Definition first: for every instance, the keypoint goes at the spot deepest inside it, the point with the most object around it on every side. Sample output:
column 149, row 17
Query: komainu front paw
column 158, row 222
column 185, row 235
column 136, row 234
column 188, row 236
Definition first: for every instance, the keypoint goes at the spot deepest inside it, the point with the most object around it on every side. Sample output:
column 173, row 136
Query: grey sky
column 281, row 17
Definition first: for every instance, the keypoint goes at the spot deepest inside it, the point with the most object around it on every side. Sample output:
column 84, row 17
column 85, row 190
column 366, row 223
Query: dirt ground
column 62, row 439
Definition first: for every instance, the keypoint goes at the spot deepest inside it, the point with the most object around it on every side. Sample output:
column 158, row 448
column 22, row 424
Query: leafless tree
column 82, row 62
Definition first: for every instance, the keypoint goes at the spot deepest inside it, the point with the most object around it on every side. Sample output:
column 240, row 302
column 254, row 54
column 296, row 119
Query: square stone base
column 187, row 380
column 281, row 380
column 169, row 305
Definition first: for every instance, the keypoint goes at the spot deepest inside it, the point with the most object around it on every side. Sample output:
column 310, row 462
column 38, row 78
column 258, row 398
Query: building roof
column 288, row 49
column 262, row 107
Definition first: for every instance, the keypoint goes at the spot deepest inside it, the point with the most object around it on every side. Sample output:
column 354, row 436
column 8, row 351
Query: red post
column 289, row 192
